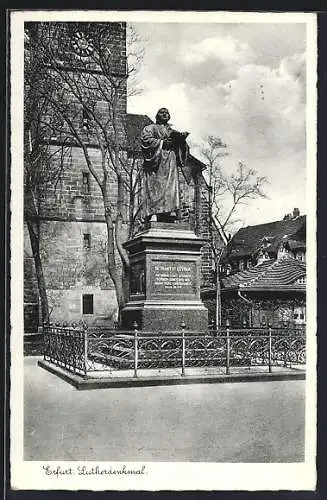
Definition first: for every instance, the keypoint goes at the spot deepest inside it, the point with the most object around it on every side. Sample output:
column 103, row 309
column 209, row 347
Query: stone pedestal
column 165, row 271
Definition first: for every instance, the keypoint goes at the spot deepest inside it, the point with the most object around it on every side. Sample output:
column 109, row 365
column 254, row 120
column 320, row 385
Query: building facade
column 263, row 275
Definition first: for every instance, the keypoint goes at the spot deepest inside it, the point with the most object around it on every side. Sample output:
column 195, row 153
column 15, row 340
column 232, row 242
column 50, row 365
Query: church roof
column 280, row 274
column 249, row 240
column 134, row 126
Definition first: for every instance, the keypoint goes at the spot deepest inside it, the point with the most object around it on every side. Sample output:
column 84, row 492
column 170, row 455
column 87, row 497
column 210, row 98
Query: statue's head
column 162, row 116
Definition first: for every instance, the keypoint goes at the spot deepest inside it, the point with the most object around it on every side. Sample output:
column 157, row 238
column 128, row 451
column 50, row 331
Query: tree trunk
column 123, row 257
column 112, row 267
column 218, row 290
column 118, row 238
column 131, row 214
column 39, row 271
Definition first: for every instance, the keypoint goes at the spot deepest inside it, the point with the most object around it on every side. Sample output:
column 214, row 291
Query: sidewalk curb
column 81, row 383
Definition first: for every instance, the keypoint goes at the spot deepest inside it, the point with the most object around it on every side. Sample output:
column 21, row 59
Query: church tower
column 81, row 61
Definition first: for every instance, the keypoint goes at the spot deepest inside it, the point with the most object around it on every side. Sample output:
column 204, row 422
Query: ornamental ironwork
column 89, row 352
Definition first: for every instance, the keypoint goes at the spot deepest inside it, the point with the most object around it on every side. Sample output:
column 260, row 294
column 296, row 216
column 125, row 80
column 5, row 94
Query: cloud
column 245, row 84
column 212, row 59
column 226, row 49
column 294, row 66
column 174, row 97
column 261, row 111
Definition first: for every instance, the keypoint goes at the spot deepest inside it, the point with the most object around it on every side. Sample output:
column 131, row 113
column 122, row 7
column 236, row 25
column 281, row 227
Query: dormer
column 266, row 241
column 262, row 257
column 283, row 251
column 300, row 255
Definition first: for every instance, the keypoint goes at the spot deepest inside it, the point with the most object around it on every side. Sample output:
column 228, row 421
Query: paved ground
column 232, row 422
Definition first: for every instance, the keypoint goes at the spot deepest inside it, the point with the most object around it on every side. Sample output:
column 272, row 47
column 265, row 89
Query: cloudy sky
column 244, row 83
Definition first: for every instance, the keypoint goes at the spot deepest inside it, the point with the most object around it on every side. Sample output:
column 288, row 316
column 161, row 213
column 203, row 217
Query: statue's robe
column 161, row 169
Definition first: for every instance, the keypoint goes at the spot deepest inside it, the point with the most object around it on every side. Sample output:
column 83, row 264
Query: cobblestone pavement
column 227, row 422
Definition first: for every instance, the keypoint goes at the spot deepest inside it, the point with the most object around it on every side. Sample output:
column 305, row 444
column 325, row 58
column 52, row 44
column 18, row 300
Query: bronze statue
column 164, row 151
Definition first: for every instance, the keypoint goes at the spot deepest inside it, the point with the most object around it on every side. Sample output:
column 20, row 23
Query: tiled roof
column 248, row 240
column 276, row 275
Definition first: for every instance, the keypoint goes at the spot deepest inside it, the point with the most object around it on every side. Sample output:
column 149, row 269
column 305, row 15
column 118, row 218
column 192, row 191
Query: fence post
column 285, row 349
column 269, row 352
column 213, row 328
column 227, row 348
column 85, row 350
column 183, row 348
column 46, row 340
column 136, row 353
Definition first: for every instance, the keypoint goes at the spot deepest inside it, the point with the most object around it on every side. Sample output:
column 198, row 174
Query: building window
column 299, row 315
column 262, row 257
column 285, row 316
column 86, row 241
column 86, row 182
column 88, row 304
column 300, row 256
column 283, row 252
column 302, row 280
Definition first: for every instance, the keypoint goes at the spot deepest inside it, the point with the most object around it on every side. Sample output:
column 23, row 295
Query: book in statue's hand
column 178, row 137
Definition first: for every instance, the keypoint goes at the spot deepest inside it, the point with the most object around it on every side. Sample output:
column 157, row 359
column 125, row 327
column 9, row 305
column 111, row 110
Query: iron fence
column 88, row 352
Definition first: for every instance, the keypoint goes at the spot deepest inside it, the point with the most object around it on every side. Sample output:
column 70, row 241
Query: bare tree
column 42, row 164
column 228, row 192
column 89, row 95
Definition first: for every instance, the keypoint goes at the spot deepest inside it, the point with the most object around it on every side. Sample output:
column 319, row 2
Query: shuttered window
column 88, row 304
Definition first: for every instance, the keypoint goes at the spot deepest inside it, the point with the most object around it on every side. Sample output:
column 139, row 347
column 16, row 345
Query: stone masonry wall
column 31, row 302
column 71, row 197
column 207, row 264
column 72, row 228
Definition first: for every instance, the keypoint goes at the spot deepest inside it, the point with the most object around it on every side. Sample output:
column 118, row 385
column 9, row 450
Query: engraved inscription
column 174, row 277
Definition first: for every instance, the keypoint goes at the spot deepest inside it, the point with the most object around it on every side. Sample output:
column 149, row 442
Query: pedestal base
column 165, row 262
column 166, row 317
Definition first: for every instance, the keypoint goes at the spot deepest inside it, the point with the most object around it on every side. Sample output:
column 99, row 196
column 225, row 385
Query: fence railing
column 87, row 352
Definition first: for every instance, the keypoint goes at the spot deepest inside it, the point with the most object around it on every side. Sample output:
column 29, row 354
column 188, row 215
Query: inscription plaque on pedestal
column 173, row 277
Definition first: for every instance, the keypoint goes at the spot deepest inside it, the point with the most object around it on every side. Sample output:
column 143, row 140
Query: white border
column 163, row 475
